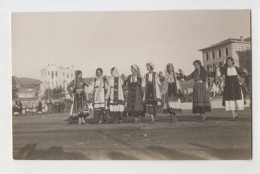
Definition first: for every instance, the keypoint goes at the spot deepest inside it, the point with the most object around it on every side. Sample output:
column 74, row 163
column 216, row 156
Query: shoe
column 152, row 122
column 236, row 116
column 100, row 122
column 116, row 121
column 136, row 121
column 204, row 117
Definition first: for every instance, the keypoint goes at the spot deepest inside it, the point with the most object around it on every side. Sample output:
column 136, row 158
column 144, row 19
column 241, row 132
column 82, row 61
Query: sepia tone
column 56, row 118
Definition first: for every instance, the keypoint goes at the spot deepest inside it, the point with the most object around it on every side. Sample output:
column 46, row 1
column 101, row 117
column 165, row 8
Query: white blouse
column 231, row 71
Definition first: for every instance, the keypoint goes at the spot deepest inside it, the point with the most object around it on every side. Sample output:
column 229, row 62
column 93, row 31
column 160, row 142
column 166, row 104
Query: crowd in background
column 38, row 107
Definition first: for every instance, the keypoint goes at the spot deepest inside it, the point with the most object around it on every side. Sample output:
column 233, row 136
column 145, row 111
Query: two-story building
column 239, row 49
column 54, row 76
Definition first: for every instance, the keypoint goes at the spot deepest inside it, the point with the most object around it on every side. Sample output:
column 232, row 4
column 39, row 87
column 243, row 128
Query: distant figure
column 20, row 107
column 46, row 107
column 50, row 106
column 40, row 107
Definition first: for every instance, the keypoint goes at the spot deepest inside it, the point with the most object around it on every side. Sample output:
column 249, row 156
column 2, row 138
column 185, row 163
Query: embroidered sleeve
column 126, row 82
column 157, row 79
column 108, row 90
column 189, row 77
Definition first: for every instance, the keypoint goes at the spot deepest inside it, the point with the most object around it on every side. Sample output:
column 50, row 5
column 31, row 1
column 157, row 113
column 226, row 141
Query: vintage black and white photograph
column 132, row 85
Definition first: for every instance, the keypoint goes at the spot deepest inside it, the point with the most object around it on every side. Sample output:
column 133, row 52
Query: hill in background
column 28, row 82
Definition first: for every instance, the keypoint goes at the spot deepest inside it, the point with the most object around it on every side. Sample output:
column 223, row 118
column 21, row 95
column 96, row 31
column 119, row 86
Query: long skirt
column 151, row 102
column 172, row 104
column 116, row 110
column 233, row 98
column 134, row 100
column 99, row 104
column 201, row 100
column 79, row 105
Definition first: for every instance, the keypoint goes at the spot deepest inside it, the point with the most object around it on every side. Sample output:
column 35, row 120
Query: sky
column 91, row 40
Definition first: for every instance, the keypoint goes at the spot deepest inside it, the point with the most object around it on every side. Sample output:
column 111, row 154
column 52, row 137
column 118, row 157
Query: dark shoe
column 116, row 121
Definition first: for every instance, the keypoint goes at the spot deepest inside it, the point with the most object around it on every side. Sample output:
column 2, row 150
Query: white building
column 239, row 49
column 53, row 76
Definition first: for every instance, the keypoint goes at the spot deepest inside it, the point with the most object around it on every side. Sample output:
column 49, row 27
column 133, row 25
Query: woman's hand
column 181, row 72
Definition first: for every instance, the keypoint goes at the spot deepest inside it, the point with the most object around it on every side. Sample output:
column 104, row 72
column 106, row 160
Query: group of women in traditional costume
column 152, row 93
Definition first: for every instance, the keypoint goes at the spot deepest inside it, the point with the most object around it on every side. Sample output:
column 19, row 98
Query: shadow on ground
column 29, row 152
column 227, row 154
column 172, row 154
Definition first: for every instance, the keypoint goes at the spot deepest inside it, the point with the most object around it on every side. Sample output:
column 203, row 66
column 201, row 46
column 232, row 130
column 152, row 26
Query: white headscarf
column 151, row 64
column 115, row 72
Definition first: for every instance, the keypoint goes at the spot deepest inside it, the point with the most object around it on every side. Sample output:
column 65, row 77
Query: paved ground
column 50, row 137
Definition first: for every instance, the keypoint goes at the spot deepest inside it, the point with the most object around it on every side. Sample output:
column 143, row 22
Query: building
column 239, row 49
column 53, row 77
column 25, row 89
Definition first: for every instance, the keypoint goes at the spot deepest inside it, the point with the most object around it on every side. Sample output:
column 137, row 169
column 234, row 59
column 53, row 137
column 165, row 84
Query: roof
column 230, row 40
column 15, row 82
column 25, row 90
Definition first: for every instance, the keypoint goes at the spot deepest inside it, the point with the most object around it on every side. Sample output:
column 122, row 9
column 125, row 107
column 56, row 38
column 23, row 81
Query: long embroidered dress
column 99, row 104
column 171, row 86
column 135, row 96
column 79, row 106
column 232, row 97
column 200, row 98
column 115, row 96
column 152, row 95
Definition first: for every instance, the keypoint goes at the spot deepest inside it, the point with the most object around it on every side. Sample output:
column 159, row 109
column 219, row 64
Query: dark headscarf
column 99, row 69
column 77, row 72
column 203, row 72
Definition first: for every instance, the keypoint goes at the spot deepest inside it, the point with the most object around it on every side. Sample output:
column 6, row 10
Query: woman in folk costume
column 200, row 97
column 171, row 92
column 233, row 98
column 115, row 96
column 152, row 94
column 134, row 99
column 76, row 89
column 99, row 102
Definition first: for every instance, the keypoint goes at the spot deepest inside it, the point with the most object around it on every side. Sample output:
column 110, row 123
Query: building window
column 226, row 51
column 213, row 55
column 67, row 75
column 207, row 56
column 48, row 72
column 219, row 53
column 52, row 74
column 56, row 73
